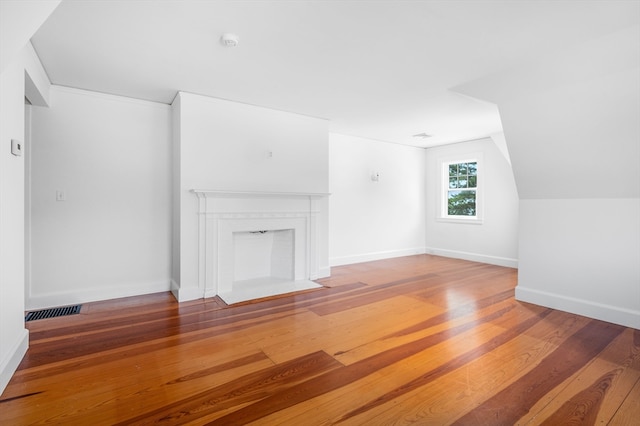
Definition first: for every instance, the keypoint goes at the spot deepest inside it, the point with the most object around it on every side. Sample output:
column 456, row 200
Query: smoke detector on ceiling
column 229, row 40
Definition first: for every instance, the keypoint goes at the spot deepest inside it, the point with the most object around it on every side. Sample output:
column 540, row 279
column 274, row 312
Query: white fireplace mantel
column 221, row 213
column 212, row 193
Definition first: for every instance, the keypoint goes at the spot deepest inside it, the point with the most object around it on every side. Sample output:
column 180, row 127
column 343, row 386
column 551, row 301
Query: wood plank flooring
column 416, row 340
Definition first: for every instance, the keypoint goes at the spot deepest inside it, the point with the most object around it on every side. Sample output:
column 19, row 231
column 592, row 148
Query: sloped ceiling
column 19, row 20
column 375, row 69
column 572, row 118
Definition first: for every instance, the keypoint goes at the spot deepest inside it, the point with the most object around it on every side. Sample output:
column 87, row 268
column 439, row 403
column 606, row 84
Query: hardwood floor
column 422, row 339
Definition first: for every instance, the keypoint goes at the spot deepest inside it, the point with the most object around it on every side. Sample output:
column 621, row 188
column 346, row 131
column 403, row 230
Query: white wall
column 581, row 189
column 572, row 128
column 111, row 237
column 495, row 240
column 13, row 336
column 375, row 220
column 22, row 76
column 224, row 145
column 176, row 194
column 590, row 250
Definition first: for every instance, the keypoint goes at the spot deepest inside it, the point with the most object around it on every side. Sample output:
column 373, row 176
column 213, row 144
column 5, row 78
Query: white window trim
column 443, row 186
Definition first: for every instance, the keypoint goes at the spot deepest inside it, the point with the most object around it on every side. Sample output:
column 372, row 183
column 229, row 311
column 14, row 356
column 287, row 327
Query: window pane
column 461, row 203
column 473, row 182
column 472, row 169
column 462, row 182
column 462, row 169
column 453, row 170
column 453, row 183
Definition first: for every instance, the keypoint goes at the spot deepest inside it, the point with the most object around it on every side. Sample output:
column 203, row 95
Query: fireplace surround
column 224, row 215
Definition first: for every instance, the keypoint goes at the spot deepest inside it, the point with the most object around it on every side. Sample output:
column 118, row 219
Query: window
column 461, row 192
column 463, row 185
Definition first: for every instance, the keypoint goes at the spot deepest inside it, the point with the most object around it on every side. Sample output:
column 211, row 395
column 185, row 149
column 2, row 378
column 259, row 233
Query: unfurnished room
column 318, row 212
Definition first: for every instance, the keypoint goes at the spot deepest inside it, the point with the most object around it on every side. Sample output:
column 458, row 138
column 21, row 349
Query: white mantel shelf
column 204, row 193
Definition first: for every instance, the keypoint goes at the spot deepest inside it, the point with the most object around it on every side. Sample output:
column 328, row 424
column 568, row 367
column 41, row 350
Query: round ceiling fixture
column 229, row 40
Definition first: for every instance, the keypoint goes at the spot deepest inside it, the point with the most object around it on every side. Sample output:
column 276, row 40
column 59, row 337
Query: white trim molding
column 109, row 97
column 474, row 257
column 9, row 365
column 213, row 193
column 380, row 255
column 185, row 294
column 324, row 272
column 600, row 311
column 221, row 213
column 49, row 300
column 443, row 188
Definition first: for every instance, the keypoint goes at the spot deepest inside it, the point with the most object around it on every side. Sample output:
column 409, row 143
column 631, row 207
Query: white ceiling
column 376, row 69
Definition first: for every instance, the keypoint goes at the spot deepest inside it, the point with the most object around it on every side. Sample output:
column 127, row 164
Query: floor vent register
column 53, row 312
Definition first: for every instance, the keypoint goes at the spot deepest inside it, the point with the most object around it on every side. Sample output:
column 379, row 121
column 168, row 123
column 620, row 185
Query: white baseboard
column 186, row 294
column 368, row 257
column 10, row 363
column 587, row 308
column 324, row 272
column 474, row 257
column 207, row 294
column 49, row 300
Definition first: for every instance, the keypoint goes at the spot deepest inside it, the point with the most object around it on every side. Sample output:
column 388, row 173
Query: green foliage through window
column 463, row 182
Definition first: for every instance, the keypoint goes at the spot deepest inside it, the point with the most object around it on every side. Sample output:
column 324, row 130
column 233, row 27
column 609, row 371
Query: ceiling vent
column 422, row 136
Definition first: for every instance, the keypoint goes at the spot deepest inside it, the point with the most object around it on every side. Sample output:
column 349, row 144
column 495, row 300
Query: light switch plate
column 16, row 147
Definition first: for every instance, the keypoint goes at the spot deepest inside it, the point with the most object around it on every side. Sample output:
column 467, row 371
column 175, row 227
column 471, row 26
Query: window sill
column 469, row 221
